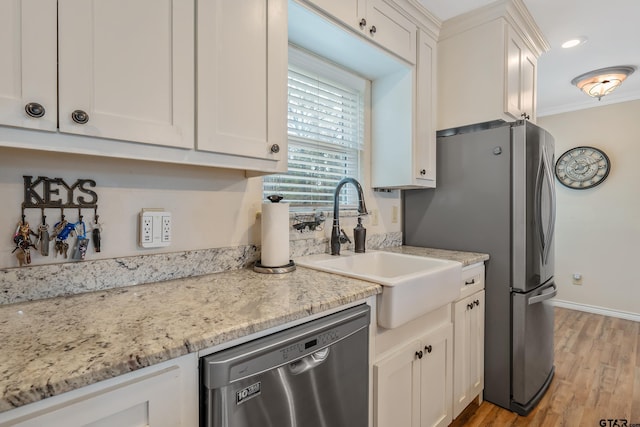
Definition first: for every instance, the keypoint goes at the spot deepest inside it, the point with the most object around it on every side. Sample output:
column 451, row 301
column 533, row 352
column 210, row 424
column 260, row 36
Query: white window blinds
column 326, row 137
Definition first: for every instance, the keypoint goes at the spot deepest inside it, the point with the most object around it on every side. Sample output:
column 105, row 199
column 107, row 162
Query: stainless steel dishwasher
column 311, row 375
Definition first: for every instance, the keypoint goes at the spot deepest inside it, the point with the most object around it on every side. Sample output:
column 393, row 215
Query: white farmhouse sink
column 412, row 285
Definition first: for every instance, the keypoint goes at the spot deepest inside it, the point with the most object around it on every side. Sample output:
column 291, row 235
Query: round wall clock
column 582, row 167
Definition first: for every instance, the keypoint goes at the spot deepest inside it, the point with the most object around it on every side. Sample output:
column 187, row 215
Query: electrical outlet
column 374, row 217
column 394, row 215
column 146, row 229
column 577, row 279
column 166, row 227
column 154, row 228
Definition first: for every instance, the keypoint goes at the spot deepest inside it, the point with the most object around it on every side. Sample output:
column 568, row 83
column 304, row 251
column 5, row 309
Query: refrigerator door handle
column 548, row 293
column 540, row 175
column 545, row 176
column 552, row 196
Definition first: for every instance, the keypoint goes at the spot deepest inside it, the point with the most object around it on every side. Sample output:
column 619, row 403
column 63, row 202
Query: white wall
column 211, row 208
column 598, row 230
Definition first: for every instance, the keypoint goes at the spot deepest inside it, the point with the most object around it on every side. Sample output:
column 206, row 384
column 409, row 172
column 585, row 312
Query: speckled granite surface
column 70, row 278
column 466, row 258
column 56, row 345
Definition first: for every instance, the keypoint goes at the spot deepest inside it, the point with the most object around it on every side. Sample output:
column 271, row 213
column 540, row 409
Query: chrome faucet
column 336, row 232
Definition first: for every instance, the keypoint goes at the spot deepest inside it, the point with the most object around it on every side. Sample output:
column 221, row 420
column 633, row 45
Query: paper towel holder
column 288, row 268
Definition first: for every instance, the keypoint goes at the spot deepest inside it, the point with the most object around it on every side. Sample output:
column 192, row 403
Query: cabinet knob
column 275, row 148
column 373, row 30
column 470, row 306
column 419, row 354
column 423, row 172
column 476, row 302
column 525, row 116
column 363, row 23
column 428, row 348
column 80, row 117
column 34, row 110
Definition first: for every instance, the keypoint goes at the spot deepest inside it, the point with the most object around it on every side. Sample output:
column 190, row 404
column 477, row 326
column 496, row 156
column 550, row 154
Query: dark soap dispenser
column 359, row 236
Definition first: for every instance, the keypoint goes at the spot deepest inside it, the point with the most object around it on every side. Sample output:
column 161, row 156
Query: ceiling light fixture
column 574, row 42
column 599, row 83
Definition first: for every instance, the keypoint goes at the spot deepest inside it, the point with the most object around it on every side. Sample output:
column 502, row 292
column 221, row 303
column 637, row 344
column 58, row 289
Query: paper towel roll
column 275, row 234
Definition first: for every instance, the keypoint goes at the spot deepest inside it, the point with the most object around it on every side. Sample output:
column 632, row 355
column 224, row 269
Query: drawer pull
column 469, row 282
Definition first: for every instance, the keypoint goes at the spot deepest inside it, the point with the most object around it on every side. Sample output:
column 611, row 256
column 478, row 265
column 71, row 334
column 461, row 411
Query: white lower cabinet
column 163, row 395
column 468, row 341
column 413, row 382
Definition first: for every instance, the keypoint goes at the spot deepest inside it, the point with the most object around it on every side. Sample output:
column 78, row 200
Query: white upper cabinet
column 347, row 11
column 114, row 69
column 521, row 78
column 403, row 123
column 487, row 63
column 378, row 21
column 28, row 96
column 242, row 79
column 389, row 28
column 424, row 162
column 126, row 70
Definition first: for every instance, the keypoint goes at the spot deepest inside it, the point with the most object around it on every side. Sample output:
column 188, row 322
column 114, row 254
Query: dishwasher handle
column 309, row 362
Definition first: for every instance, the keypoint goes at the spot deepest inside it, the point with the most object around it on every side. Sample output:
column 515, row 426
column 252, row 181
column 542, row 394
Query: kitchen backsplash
column 47, row 281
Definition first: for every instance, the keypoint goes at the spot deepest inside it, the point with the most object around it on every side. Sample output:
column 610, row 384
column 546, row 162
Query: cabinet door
column 468, row 371
column 476, row 346
column 528, row 84
column 242, row 78
column 425, row 143
column 128, row 64
column 391, row 29
column 349, row 12
column 149, row 401
column 163, row 395
column 397, row 388
column 436, row 379
column 28, row 68
column 520, row 80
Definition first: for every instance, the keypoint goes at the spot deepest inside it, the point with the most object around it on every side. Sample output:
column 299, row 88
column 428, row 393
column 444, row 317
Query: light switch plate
column 154, row 228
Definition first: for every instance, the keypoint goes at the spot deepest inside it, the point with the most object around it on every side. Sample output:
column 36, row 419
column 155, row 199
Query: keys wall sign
column 55, row 193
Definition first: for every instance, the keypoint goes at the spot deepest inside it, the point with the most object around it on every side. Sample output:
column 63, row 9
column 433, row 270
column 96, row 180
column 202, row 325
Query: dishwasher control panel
column 311, row 344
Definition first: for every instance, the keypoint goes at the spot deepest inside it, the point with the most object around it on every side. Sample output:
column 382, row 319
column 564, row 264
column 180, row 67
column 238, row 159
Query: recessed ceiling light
column 574, row 42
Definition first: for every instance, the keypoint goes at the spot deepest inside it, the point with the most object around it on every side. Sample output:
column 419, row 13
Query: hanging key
column 43, row 239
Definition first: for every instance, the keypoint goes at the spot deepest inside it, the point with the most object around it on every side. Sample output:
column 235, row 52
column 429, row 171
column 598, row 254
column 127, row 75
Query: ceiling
column 613, row 33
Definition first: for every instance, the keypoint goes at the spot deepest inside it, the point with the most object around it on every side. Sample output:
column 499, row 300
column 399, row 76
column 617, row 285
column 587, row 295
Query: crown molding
column 513, row 11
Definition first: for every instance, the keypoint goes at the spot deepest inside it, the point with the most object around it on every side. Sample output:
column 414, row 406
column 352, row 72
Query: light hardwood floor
column 597, row 377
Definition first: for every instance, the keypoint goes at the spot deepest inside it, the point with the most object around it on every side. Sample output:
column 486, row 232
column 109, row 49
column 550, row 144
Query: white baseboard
column 596, row 310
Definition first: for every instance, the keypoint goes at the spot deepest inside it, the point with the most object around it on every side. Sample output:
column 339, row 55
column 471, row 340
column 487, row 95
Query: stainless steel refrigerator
column 495, row 194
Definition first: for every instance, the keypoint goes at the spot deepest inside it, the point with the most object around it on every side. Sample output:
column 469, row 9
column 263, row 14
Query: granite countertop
column 56, row 345
column 466, row 258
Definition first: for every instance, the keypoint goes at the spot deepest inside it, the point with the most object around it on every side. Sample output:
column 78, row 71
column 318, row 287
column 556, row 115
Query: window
column 325, row 124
